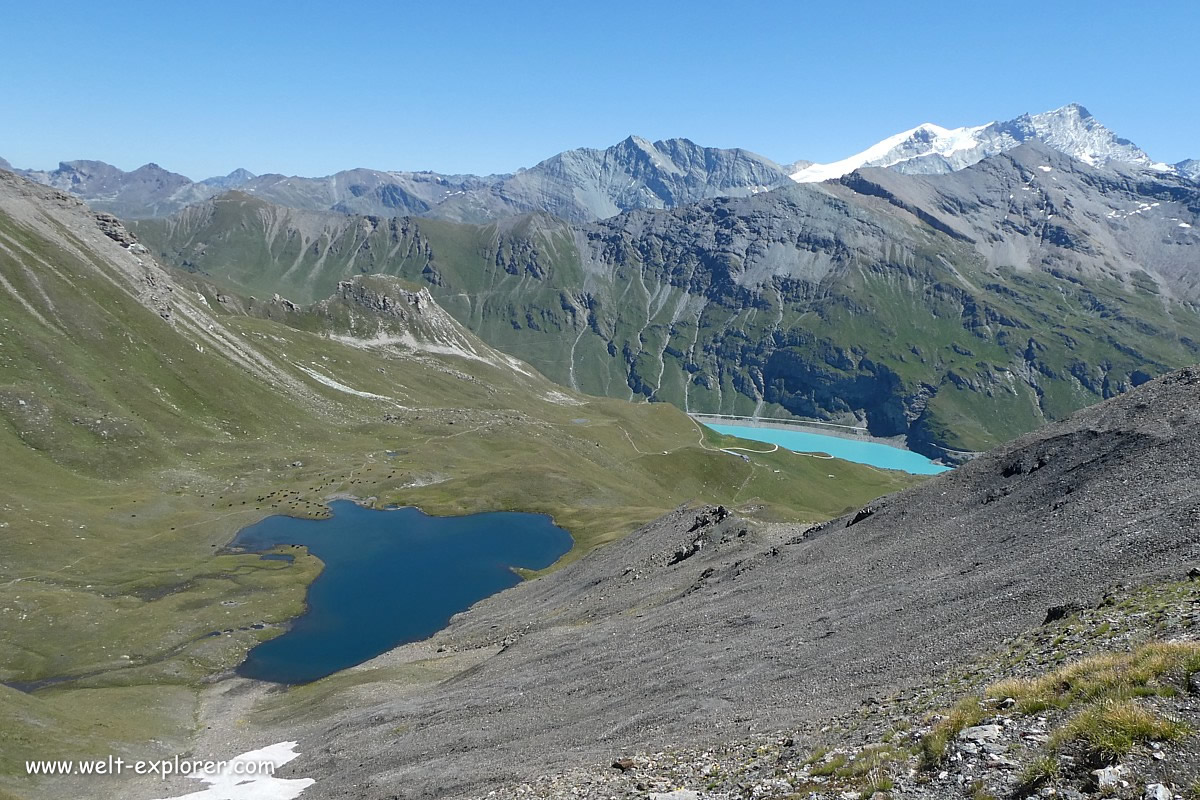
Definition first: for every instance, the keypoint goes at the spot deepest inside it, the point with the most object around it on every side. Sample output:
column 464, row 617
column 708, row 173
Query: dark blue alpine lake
column 390, row 577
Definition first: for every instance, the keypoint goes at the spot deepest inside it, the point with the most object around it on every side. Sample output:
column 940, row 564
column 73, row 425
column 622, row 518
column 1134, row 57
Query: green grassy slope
column 144, row 420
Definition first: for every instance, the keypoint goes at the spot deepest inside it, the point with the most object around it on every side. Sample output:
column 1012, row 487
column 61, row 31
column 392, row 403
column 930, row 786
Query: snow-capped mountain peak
column 1074, row 131
column 924, row 140
column 930, row 148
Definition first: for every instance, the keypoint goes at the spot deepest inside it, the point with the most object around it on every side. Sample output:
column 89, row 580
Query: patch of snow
column 516, row 365
column 1044, row 168
column 341, row 387
column 1184, row 225
column 563, row 399
column 235, row 781
column 407, row 340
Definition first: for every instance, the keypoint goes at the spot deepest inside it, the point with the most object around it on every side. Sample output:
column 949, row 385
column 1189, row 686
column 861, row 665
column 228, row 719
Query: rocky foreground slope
column 1104, row 700
column 701, row 629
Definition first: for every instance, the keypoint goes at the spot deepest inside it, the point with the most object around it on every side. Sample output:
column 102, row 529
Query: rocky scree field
column 704, row 628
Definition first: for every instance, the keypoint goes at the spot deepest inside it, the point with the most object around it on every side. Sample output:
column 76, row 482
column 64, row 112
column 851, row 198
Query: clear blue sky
column 310, row 88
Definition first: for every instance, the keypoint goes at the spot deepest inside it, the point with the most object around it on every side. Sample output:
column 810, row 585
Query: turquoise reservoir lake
column 391, row 577
column 857, row 450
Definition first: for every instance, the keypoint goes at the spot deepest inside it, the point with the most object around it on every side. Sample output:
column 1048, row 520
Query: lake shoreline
column 823, row 429
column 410, row 568
column 847, row 447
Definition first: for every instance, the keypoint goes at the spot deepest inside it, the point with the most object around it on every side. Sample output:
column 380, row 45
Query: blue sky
column 310, row 88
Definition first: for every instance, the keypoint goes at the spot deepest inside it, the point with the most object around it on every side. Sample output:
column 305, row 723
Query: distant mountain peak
column 87, row 165
column 633, row 143
column 235, row 179
column 924, row 140
column 1073, row 108
column 155, row 170
column 932, row 149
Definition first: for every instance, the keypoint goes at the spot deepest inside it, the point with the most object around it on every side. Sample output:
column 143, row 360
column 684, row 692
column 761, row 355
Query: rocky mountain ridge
column 146, row 191
column 578, row 185
column 1190, row 168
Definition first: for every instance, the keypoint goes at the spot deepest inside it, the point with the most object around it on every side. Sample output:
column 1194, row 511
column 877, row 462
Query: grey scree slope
column 779, row 627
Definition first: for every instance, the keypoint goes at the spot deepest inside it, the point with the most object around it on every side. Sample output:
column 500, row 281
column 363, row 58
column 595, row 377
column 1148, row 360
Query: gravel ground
column 701, row 630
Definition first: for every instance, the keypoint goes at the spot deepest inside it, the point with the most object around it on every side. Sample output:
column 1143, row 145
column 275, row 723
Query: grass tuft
column 1148, row 671
column 1038, row 773
column 830, row 767
column 932, row 748
column 1108, row 730
column 1102, row 689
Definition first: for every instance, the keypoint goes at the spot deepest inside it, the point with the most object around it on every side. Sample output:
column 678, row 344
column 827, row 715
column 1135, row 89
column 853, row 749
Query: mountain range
column 577, row 185
column 587, row 184
column 957, row 309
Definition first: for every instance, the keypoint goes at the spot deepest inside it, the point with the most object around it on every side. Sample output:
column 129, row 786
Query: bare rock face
column 389, row 301
column 114, row 229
